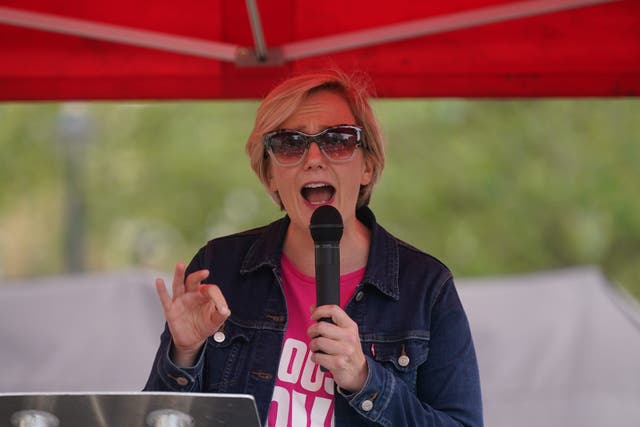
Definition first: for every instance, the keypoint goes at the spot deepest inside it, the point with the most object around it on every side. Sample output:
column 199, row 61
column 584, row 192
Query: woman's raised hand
column 194, row 312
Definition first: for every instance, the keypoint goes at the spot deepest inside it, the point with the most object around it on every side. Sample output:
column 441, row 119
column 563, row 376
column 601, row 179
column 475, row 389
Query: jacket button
column 359, row 296
column 366, row 405
column 219, row 337
column 403, row 360
column 182, row 381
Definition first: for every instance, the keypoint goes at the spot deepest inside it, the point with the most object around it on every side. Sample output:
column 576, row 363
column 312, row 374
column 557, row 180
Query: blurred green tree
column 489, row 187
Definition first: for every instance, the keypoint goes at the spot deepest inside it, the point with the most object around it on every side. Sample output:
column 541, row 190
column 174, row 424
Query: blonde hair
column 282, row 102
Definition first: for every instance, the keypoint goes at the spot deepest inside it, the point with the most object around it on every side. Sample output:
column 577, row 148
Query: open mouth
column 318, row 193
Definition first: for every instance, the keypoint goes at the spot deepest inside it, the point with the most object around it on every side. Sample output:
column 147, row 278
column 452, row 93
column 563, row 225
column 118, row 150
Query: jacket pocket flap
column 405, row 355
column 229, row 334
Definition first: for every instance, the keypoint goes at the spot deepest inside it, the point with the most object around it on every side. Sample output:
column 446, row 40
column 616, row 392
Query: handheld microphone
column 326, row 229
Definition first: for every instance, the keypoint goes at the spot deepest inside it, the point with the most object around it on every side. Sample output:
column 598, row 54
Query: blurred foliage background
column 489, row 187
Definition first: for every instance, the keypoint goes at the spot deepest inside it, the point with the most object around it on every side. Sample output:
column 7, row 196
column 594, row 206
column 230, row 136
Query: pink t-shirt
column 303, row 395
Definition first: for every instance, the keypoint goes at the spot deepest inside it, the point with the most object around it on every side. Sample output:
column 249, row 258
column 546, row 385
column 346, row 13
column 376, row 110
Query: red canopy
column 212, row 49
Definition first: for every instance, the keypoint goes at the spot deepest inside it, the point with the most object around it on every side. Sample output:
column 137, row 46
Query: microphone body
column 326, row 229
column 327, row 273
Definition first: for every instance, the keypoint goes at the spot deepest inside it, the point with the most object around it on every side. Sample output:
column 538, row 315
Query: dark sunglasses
column 338, row 144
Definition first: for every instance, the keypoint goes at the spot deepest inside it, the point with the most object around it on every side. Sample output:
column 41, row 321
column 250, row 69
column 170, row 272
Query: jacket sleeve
column 167, row 376
column 447, row 385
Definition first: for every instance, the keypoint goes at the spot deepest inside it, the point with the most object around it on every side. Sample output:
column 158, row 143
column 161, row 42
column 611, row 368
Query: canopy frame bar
column 119, row 34
column 429, row 26
column 256, row 29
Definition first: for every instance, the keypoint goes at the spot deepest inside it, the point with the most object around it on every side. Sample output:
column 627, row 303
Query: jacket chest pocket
column 227, row 354
column 403, row 356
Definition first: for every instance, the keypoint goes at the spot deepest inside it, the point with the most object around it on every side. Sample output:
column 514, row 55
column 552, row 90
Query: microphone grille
column 326, row 224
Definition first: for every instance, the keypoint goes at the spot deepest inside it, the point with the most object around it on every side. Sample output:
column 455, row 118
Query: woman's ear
column 367, row 171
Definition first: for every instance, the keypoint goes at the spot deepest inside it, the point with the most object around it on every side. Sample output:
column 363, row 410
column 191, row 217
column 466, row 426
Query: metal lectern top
column 141, row 409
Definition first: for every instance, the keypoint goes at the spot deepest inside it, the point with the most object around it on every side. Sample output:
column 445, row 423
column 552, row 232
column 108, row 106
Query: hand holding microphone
column 335, row 340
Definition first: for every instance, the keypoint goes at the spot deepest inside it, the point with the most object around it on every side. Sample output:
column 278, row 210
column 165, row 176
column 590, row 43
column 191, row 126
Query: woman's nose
column 314, row 155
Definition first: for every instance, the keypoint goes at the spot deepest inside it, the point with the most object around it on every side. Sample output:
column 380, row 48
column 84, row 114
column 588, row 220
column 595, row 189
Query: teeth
column 315, row 185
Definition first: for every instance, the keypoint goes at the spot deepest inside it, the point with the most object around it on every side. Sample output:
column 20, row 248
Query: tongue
column 317, row 195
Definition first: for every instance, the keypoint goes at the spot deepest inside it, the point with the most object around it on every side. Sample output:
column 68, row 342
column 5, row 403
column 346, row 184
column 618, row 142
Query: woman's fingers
column 219, row 310
column 337, row 316
column 192, row 284
column 165, row 298
column 337, row 332
column 328, row 346
column 215, row 294
column 333, row 339
column 334, row 312
column 178, row 280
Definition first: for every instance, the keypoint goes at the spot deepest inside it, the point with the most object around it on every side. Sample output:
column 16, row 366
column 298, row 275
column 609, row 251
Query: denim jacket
column 414, row 333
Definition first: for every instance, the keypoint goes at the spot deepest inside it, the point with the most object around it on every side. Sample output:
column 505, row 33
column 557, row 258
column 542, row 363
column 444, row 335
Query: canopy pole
column 256, row 29
column 428, row 26
column 119, row 34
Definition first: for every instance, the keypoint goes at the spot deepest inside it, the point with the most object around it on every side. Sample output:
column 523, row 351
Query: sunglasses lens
column 340, row 143
column 287, row 147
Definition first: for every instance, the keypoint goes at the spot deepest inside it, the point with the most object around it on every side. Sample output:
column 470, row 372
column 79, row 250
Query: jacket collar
column 382, row 265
